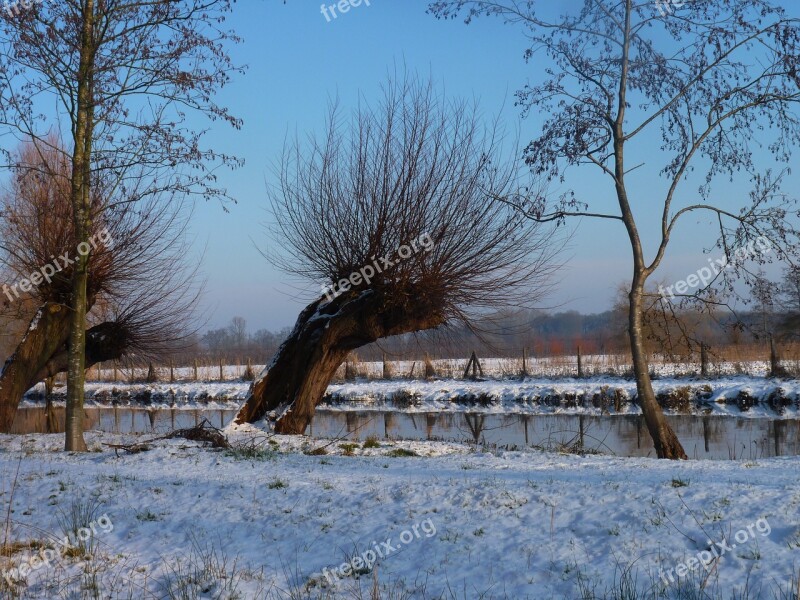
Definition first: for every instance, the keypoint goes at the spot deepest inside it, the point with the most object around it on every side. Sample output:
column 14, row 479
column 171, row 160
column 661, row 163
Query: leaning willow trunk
column 291, row 387
column 48, row 331
column 665, row 441
column 43, row 353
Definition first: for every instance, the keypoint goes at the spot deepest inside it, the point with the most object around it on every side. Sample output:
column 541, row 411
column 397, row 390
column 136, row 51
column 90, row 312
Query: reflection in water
column 707, row 436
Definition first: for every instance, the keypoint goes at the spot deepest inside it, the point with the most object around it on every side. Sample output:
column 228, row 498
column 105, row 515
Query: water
column 703, row 437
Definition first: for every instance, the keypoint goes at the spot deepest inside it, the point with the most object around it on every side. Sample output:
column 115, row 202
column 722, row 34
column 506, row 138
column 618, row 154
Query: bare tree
column 238, row 331
column 393, row 212
column 790, row 289
column 122, row 74
column 788, row 296
column 763, row 294
column 137, row 241
column 712, row 81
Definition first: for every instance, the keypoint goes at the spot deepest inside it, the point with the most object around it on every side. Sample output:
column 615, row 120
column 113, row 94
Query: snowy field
column 545, row 367
column 401, row 520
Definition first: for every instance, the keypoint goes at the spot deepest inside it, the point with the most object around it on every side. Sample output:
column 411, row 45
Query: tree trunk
column 290, row 388
column 666, row 442
column 104, row 342
column 81, row 209
column 42, row 354
column 47, row 332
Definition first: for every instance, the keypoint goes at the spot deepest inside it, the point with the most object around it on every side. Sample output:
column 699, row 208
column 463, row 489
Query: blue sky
column 298, row 61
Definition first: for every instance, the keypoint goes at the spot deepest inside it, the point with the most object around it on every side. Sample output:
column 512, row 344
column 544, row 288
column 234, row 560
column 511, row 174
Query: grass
column 147, row 516
column 348, row 448
column 205, row 572
column 371, row 442
column 253, row 450
column 316, row 452
column 74, row 520
column 631, row 584
column 401, row 453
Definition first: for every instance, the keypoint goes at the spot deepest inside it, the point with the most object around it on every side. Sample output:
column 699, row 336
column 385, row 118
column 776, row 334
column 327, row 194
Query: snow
column 510, row 395
column 507, row 524
column 538, row 396
column 559, row 366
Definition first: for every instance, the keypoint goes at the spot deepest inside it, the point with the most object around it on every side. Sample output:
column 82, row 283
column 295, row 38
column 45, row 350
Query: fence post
column 524, row 362
column 775, row 369
column 580, row 363
column 249, row 374
column 475, row 365
column 52, row 422
column 703, row 359
column 387, row 371
column 152, row 376
column 430, row 371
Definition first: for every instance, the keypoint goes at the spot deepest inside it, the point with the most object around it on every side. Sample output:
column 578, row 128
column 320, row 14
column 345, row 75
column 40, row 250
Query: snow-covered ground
column 456, row 521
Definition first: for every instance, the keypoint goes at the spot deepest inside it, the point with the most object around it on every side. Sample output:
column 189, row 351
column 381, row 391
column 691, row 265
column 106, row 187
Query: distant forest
column 774, row 311
column 540, row 333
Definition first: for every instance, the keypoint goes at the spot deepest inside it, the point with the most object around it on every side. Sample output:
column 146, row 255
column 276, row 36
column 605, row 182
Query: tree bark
column 104, row 342
column 42, row 354
column 48, row 330
column 81, row 208
column 666, row 442
column 290, row 388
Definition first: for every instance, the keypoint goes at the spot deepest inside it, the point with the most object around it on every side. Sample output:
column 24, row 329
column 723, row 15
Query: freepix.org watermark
column 703, row 276
column 367, row 272
column 47, row 272
column 343, row 6
column 363, row 563
column 716, row 550
column 46, row 556
column 13, row 9
column 666, row 7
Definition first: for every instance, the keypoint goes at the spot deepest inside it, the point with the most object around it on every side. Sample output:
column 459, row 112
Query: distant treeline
column 540, row 333
column 505, row 335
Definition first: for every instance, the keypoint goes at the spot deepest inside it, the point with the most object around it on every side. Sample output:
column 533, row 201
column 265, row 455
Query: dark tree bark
column 104, row 342
column 666, row 443
column 48, row 331
column 29, row 365
column 292, row 386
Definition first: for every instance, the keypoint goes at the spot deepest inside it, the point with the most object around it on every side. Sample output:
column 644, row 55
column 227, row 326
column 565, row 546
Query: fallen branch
column 204, row 432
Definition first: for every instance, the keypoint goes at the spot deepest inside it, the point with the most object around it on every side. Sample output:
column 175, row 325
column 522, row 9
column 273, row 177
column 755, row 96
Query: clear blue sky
column 297, row 61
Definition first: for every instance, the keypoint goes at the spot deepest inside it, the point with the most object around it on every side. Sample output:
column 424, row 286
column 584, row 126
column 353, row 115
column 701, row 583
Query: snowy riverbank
column 265, row 521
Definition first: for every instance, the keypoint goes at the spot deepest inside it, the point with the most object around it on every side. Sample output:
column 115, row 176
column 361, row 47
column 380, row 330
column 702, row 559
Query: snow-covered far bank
column 414, row 519
column 755, row 397
column 738, row 396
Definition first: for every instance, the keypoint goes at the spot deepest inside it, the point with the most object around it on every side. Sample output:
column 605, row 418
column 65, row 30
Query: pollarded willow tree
column 120, row 76
column 136, row 241
column 392, row 209
column 715, row 84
